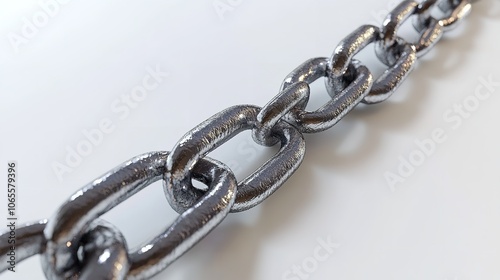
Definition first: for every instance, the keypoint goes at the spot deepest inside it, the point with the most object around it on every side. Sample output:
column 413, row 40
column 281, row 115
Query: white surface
column 441, row 223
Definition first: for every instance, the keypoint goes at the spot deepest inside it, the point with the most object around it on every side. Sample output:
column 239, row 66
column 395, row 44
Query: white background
column 442, row 222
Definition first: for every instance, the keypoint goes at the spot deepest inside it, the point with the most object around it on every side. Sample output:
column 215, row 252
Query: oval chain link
column 401, row 58
column 64, row 231
column 455, row 11
column 213, row 132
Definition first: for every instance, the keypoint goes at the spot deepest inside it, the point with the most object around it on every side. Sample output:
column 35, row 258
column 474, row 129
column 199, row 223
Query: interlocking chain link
column 76, row 244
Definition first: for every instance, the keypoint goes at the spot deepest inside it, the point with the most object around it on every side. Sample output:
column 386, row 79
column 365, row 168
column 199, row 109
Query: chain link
column 74, row 241
column 212, row 133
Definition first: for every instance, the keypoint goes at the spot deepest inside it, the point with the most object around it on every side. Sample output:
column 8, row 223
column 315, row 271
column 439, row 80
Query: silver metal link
column 390, row 27
column 308, row 72
column 212, row 133
column 343, row 54
column 334, row 110
column 295, row 97
column 76, row 244
column 431, row 29
column 455, row 10
column 64, row 231
column 402, row 59
column 192, row 225
column 429, row 35
column 392, row 78
column 358, row 86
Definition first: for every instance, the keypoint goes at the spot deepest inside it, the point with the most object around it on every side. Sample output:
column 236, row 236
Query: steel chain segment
column 393, row 22
column 76, row 225
column 430, row 29
column 358, row 86
column 192, row 225
column 213, row 132
column 429, row 35
column 392, row 78
column 455, row 11
column 64, row 231
column 402, row 57
column 294, row 97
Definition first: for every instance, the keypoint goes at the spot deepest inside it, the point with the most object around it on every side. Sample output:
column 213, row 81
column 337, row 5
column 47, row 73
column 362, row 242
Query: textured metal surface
column 294, row 96
column 64, row 231
column 192, row 225
column 455, row 11
column 104, row 254
column 393, row 22
column 401, row 58
column 392, row 78
column 357, row 86
column 308, row 72
column 76, row 244
column 343, row 54
column 341, row 103
column 430, row 29
column 212, row 133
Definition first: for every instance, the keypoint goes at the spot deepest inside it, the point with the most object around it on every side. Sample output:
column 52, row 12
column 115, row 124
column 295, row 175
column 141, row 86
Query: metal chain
column 76, row 244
